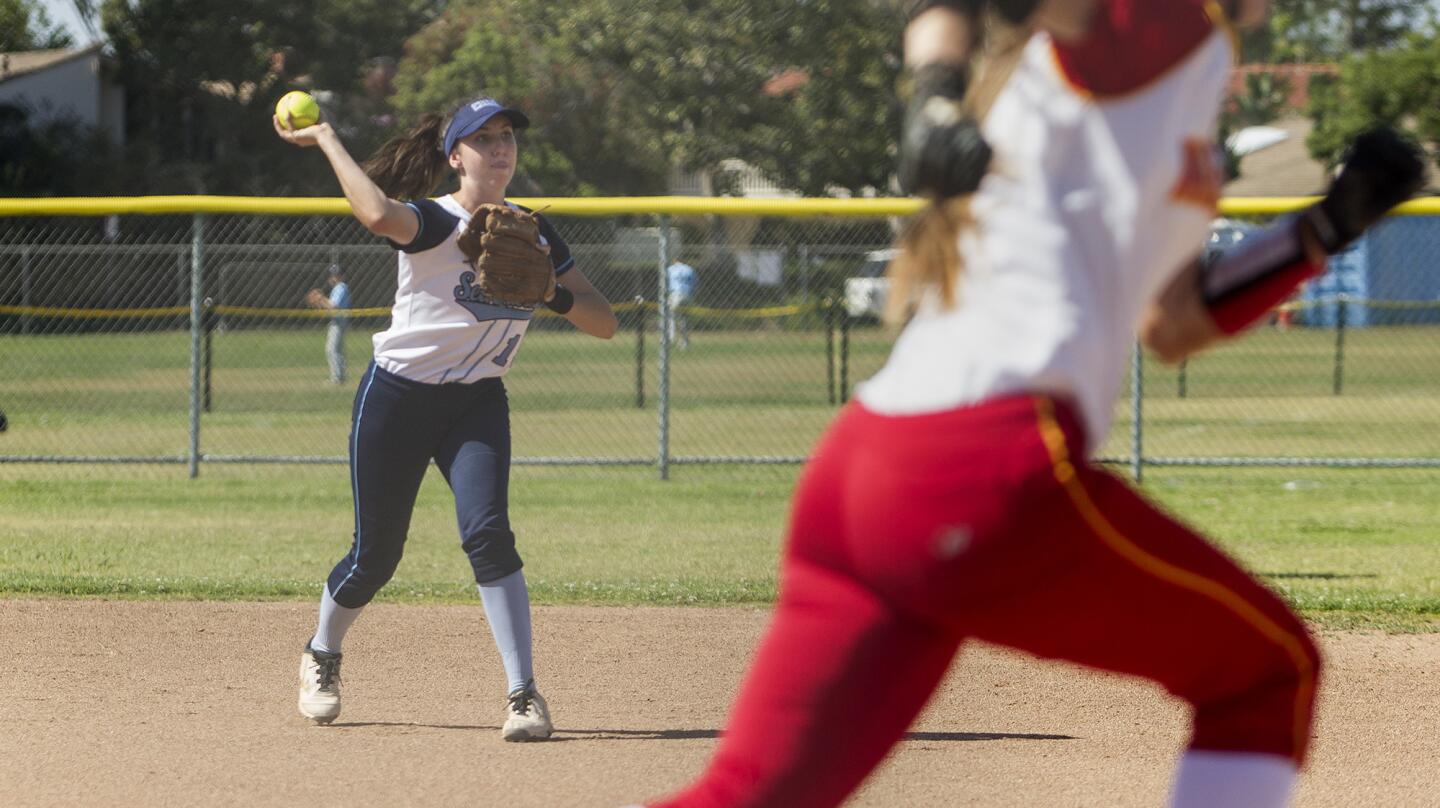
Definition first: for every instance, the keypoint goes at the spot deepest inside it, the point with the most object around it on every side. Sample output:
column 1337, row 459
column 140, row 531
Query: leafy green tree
column 621, row 90
column 1399, row 86
column 54, row 156
column 1325, row 30
column 703, row 68
column 586, row 138
column 24, row 26
column 202, row 79
column 838, row 129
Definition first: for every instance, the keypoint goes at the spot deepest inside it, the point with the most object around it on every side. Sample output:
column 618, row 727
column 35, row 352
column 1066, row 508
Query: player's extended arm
column 590, row 311
column 379, row 214
column 1224, row 294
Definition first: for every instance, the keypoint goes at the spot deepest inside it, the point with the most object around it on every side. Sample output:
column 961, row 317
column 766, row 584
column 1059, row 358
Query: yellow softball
column 297, row 110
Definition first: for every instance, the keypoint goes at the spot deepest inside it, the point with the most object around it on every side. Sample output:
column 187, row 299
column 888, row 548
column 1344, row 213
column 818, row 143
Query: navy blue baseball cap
column 469, row 118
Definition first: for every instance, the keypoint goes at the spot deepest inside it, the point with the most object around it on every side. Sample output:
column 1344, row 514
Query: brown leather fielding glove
column 511, row 265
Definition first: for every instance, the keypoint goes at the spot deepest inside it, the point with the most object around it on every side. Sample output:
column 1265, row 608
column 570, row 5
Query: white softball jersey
column 442, row 328
column 1077, row 228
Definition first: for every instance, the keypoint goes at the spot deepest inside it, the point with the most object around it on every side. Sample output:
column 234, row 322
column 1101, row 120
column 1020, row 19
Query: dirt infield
column 126, row 703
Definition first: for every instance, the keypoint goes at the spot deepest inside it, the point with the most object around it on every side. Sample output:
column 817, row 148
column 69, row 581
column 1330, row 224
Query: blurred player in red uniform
column 956, row 499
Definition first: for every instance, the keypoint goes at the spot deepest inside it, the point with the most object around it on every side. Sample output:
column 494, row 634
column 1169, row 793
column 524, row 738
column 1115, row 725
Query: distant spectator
column 338, row 300
column 682, row 280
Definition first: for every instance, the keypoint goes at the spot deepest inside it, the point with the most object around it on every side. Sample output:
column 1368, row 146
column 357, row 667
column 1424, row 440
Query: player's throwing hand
column 308, row 136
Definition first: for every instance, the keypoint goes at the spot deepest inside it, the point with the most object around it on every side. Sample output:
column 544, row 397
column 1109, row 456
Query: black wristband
column 1326, row 229
column 562, row 302
column 945, row 79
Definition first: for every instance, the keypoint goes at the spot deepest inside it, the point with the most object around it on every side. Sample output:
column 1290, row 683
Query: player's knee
column 1311, row 666
column 1295, row 670
column 1269, row 707
column 356, row 586
column 492, row 554
column 1301, row 670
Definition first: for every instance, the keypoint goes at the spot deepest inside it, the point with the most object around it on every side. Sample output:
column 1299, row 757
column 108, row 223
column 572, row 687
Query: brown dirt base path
column 125, row 703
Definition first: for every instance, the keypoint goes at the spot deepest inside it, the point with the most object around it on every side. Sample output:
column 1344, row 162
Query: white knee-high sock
column 335, row 620
column 1233, row 779
column 507, row 608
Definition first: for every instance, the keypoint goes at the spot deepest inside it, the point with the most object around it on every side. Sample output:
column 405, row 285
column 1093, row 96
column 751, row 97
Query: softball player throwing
column 434, row 390
column 955, row 498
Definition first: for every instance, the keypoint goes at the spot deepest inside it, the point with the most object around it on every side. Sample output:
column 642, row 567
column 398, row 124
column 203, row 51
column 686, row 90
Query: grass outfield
column 761, row 392
column 1349, row 547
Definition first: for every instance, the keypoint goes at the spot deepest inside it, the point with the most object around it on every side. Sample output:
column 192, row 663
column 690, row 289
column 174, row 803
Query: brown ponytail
column 411, row 165
column 929, row 255
column 928, row 258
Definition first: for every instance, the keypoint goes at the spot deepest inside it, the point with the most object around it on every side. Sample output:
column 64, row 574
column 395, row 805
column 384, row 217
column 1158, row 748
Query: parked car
column 1225, row 233
column 865, row 292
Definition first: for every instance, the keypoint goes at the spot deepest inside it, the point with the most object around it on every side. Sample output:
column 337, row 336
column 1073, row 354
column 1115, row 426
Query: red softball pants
column 910, row 534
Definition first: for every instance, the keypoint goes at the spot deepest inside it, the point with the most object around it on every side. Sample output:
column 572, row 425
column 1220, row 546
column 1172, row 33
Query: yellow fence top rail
column 576, row 206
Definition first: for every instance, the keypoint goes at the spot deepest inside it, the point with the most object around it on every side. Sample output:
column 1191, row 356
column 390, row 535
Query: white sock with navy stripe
column 507, row 609
column 335, row 620
column 1233, row 779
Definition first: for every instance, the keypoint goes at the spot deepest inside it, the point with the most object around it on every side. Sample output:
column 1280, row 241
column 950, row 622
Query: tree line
column 621, row 92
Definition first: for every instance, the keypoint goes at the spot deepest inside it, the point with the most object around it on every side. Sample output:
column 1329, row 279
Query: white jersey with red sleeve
column 1095, row 199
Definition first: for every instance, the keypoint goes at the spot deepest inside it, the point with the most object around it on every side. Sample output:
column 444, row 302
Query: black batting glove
column 1382, row 169
column 942, row 152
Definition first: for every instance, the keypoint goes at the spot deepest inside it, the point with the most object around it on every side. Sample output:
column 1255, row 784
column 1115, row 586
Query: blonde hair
column 929, row 256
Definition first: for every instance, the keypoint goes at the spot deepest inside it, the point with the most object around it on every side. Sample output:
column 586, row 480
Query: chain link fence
column 185, row 339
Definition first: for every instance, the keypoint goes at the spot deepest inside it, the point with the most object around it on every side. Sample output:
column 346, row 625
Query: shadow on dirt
column 1320, row 576
column 696, row 734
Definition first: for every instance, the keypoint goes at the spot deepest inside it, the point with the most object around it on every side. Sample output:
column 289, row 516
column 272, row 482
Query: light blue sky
column 62, row 13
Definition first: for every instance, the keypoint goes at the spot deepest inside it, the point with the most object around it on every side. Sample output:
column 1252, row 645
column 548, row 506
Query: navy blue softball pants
column 397, row 427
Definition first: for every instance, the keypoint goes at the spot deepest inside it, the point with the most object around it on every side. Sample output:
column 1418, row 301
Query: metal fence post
column 1180, row 382
column 1137, row 430
column 25, row 290
column 1342, row 303
column 663, row 405
column 844, row 354
column 197, row 314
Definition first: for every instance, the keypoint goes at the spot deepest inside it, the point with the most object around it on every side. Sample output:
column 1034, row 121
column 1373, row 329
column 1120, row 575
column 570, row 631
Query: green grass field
column 1349, row 547
column 760, row 392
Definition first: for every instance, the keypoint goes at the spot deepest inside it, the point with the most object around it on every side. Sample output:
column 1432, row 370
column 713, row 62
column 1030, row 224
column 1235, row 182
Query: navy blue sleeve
column 560, row 255
column 436, row 225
